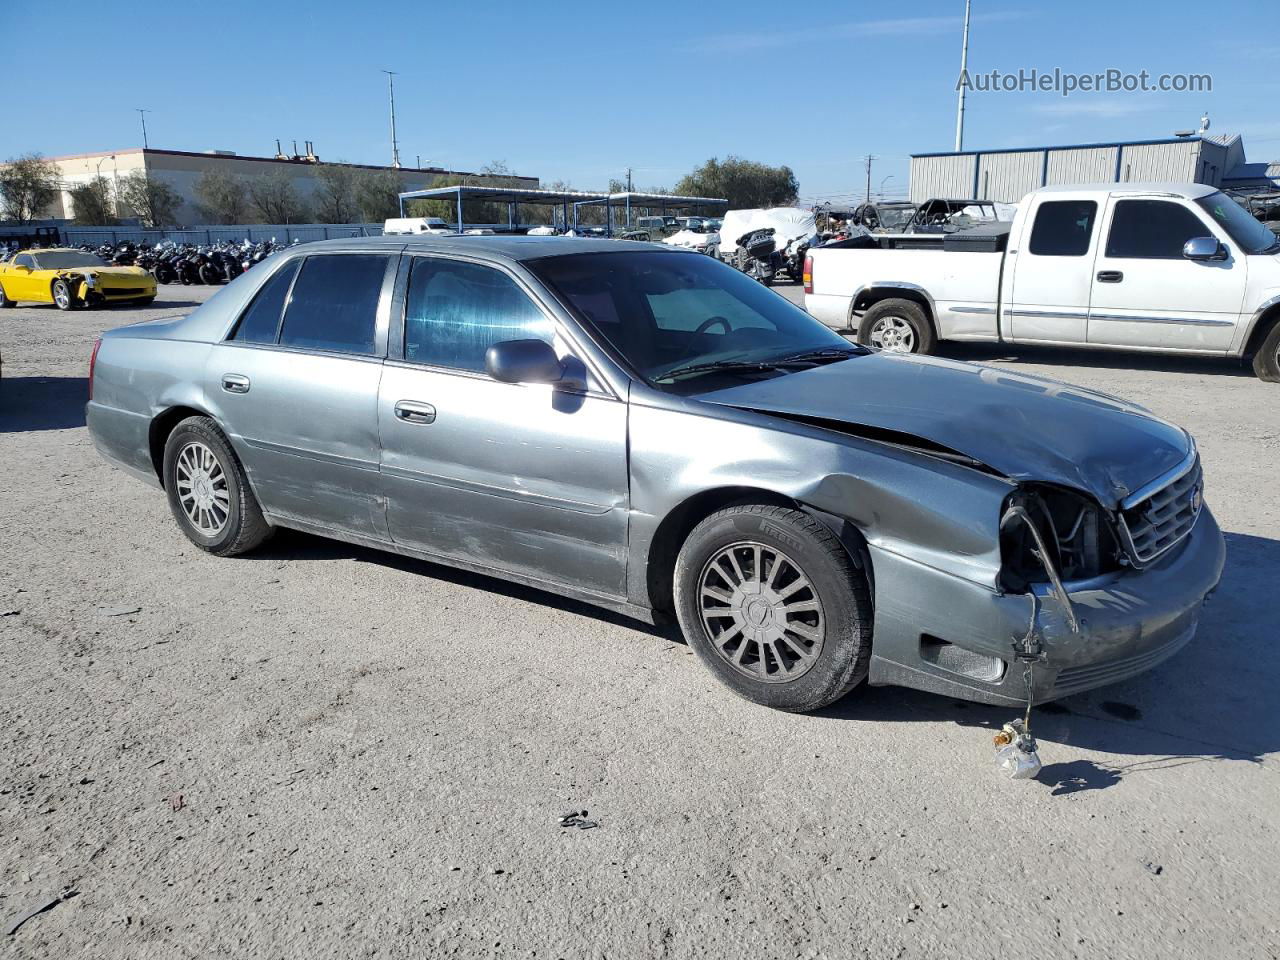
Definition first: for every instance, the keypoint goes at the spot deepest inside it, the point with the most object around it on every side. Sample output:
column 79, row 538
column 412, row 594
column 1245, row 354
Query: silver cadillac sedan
column 651, row 431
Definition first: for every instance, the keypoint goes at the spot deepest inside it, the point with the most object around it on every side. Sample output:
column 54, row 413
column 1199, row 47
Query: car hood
column 1025, row 427
column 102, row 271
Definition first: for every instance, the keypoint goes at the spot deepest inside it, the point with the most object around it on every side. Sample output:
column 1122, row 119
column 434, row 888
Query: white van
column 406, row 226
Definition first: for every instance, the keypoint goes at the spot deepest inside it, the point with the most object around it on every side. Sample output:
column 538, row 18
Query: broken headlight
column 1077, row 533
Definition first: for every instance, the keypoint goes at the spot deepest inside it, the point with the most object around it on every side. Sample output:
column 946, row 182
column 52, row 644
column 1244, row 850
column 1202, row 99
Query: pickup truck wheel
column 1266, row 362
column 208, row 491
column 770, row 601
column 897, row 326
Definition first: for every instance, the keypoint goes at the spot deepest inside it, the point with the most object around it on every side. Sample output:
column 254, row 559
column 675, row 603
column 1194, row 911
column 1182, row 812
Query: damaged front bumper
column 937, row 632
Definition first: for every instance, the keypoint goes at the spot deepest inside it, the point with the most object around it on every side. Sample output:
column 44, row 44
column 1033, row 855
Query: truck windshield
column 1240, row 225
column 668, row 312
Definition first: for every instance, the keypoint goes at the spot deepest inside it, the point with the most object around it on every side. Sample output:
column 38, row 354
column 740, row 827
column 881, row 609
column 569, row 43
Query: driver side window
column 24, row 260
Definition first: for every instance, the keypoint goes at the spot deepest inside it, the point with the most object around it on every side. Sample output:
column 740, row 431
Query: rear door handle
column 1110, row 276
column 235, row 383
column 411, row 411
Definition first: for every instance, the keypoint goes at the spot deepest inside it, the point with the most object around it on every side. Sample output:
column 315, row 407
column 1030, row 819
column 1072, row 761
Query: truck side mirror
column 1204, row 248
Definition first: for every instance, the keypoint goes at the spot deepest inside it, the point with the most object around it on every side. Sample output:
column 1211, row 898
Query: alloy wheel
column 61, row 295
column 893, row 334
column 761, row 612
column 202, row 489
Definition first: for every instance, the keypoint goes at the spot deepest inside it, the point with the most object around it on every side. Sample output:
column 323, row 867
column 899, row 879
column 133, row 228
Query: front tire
column 1266, row 362
column 63, row 298
column 773, row 605
column 208, row 491
column 5, row 302
column 897, row 326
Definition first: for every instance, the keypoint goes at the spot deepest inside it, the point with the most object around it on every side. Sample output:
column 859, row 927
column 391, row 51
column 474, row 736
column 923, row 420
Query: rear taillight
column 807, row 276
column 93, row 359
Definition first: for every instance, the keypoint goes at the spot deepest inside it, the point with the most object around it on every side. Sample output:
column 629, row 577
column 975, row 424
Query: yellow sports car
column 71, row 279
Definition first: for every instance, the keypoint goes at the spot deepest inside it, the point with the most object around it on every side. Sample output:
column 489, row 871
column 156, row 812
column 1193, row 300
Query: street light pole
column 142, row 114
column 882, row 183
column 395, row 147
column 964, row 66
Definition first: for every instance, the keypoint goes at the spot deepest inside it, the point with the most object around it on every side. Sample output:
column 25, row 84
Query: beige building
column 181, row 169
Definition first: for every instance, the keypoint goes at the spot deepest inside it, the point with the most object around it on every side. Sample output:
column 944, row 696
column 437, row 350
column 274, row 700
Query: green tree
column 334, row 200
column 377, row 194
column 154, row 201
column 223, row 197
column 28, row 185
column 93, row 203
column 744, row 183
column 274, row 200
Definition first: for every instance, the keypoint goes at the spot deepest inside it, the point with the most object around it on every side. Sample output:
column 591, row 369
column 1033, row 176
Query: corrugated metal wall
column 944, row 176
column 1089, row 165
column 1008, row 177
column 1160, row 161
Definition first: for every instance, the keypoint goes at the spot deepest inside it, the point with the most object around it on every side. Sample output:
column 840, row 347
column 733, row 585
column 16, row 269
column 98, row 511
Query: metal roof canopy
column 514, row 196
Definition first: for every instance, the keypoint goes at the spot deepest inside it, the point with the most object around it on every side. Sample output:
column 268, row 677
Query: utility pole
column 395, row 147
column 628, row 179
column 142, row 113
column 868, row 159
column 964, row 66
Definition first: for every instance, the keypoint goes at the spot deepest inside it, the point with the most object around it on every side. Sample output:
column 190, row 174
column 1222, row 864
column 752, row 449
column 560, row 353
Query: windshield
column 1240, row 225
column 61, row 259
column 891, row 217
column 666, row 311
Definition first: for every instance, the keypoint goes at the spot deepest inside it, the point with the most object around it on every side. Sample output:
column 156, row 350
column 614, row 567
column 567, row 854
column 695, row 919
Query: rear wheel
column 1266, row 362
column 208, row 491
column 771, row 602
column 63, row 298
column 897, row 326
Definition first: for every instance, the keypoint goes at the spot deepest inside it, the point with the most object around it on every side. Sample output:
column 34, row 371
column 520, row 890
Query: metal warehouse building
column 1008, row 175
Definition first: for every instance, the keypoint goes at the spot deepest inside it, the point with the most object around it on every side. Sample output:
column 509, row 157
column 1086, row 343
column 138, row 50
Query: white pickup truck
column 1173, row 268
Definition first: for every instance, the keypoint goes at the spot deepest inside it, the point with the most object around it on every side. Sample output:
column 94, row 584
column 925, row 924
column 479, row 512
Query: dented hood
column 1025, row 427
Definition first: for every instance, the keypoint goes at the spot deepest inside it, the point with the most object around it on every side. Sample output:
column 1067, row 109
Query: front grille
column 123, row 291
column 1163, row 519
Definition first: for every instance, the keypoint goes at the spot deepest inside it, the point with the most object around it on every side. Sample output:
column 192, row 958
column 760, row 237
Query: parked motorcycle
column 758, row 255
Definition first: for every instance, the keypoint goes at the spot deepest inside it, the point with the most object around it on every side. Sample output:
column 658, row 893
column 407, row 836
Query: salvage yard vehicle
column 71, row 278
column 653, row 432
column 1168, row 268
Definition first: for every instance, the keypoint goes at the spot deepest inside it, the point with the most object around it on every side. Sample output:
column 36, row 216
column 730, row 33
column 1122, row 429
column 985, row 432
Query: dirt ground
column 323, row 751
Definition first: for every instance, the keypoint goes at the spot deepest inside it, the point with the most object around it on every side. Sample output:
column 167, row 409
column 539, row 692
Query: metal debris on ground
column 176, row 802
column 9, row 613
column 18, row 921
column 1016, row 753
column 118, row 611
column 577, row 818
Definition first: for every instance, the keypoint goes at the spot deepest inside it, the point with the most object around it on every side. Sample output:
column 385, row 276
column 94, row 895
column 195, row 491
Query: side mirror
column 523, row 361
column 1204, row 248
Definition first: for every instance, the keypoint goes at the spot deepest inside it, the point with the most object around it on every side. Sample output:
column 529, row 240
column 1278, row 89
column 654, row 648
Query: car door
column 1052, row 272
column 18, row 282
column 1147, row 294
column 529, row 478
column 295, row 385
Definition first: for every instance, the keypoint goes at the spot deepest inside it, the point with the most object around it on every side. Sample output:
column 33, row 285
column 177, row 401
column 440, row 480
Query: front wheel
column 63, row 298
column 897, row 326
column 5, row 301
column 1266, row 362
column 208, row 491
column 772, row 603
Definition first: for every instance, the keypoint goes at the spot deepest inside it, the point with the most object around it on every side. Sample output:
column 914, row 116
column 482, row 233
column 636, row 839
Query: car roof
column 1191, row 191
column 501, row 247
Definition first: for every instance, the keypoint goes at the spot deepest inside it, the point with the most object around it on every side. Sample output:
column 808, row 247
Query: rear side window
column 1152, row 230
column 335, row 303
column 261, row 322
column 456, row 311
column 1063, row 228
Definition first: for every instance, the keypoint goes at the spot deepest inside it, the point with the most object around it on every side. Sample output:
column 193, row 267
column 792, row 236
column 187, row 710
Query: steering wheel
column 710, row 322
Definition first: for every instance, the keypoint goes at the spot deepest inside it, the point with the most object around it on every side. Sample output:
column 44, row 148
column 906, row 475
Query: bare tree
column 274, row 199
column 93, row 203
column 154, row 201
column 377, row 194
column 222, row 197
column 28, row 185
column 334, row 199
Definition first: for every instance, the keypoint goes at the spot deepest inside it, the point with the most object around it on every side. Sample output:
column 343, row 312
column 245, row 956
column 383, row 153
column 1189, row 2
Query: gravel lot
column 323, row 751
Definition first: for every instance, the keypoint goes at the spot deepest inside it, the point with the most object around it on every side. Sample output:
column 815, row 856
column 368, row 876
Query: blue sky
column 580, row 90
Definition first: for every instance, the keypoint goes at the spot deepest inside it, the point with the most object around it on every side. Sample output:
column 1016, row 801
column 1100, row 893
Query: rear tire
column 772, row 604
column 1266, row 362
column 897, row 326
column 208, row 491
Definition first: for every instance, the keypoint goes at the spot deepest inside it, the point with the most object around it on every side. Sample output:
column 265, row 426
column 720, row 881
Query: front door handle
column 235, row 383
column 411, row 411
column 1110, row 276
